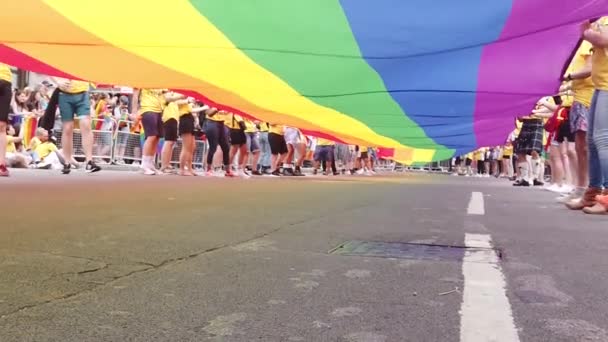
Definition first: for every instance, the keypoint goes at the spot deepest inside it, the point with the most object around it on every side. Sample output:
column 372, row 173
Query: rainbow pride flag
column 28, row 130
column 426, row 79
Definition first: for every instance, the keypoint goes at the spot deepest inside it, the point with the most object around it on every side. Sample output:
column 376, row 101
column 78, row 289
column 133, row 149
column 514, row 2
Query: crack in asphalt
column 165, row 263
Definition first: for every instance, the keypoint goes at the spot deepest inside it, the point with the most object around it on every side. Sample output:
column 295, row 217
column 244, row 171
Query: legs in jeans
column 265, row 150
column 597, row 140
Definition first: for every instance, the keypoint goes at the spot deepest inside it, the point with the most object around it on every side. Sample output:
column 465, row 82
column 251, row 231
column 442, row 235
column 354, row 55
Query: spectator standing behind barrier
column 5, row 108
column 121, row 116
column 19, row 109
column 73, row 101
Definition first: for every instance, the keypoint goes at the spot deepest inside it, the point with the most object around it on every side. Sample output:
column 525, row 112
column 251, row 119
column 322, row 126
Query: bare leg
column 67, row 139
column 582, row 158
column 87, row 137
column 557, row 166
column 3, row 142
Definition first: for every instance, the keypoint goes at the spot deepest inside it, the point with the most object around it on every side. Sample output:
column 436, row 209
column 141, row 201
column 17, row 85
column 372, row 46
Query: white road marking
column 485, row 314
column 476, row 206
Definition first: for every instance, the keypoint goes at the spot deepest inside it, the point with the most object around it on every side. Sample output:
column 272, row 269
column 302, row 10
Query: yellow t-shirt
column 10, row 145
column 325, row 142
column 583, row 89
column 264, row 127
column 250, row 127
column 76, row 87
column 171, row 111
column 34, row 143
column 184, row 108
column 276, row 129
column 599, row 69
column 151, row 100
column 232, row 121
column 219, row 116
column 5, row 73
column 363, row 149
column 507, row 151
column 44, row 149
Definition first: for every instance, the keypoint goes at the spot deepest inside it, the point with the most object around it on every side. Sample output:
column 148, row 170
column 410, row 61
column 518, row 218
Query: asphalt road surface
column 116, row 256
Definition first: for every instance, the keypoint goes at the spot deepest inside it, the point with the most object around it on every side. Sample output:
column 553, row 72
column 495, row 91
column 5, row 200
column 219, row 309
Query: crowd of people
column 566, row 133
column 564, row 138
column 237, row 146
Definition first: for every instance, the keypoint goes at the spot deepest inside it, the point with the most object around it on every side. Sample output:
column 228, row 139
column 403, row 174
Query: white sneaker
column 368, row 173
column 243, row 174
column 360, row 172
column 565, row 189
column 149, row 172
column 209, row 173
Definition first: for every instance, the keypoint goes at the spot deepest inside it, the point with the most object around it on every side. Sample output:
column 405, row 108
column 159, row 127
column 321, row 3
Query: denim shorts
column 74, row 105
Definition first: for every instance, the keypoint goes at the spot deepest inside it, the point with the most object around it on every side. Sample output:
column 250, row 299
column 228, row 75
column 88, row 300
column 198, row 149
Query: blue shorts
column 253, row 142
column 324, row 153
column 74, row 105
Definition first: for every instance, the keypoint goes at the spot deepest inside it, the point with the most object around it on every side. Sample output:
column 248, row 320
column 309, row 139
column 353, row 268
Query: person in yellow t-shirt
column 187, row 124
column 507, row 164
column 215, row 131
column 597, row 133
column 170, row 117
column 324, row 154
column 6, row 93
column 238, row 143
column 253, row 145
column 151, row 103
column 278, row 147
column 74, row 101
column 582, row 86
column 265, row 155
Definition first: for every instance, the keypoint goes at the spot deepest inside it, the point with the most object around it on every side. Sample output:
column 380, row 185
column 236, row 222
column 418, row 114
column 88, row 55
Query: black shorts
column 364, row 155
column 277, row 143
column 238, row 137
column 186, row 124
column 5, row 100
column 153, row 124
column 458, row 161
column 170, row 128
column 468, row 162
column 564, row 132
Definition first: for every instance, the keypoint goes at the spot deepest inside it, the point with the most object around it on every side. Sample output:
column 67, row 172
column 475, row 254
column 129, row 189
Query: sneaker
column 575, row 195
column 209, row 173
column 229, row 174
column 149, row 172
column 587, row 200
column 4, row 171
column 257, row 173
column 276, row 173
column 243, row 174
column 92, row 167
column 66, row 169
column 298, row 172
column 521, row 183
column 44, row 166
column 288, row 172
column 538, row 183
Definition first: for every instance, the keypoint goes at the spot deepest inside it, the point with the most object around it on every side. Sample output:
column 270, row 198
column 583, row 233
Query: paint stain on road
column 225, row 325
column 365, row 337
column 276, row 302
column 346, row 312
column 306, row 285
column 540, row 289
column 256, row 246
column 578, row 330
column 357, row 274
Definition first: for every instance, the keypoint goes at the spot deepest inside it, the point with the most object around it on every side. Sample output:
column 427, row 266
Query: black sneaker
column 276, row 173
column 538, row 183
column 257, row 173
column 288, row 172
column 521, row 183
column 298, row 172
column 92, row 167
column 66, row 169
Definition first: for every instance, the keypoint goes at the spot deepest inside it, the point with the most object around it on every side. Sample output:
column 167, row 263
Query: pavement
column 116, row 256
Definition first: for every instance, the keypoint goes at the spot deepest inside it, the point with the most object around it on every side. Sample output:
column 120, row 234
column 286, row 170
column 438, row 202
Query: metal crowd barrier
column 200, row 152
column 103, row 140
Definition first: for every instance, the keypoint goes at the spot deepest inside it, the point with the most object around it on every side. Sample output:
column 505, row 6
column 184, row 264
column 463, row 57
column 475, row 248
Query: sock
column 523, row 170
column 536, row 169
